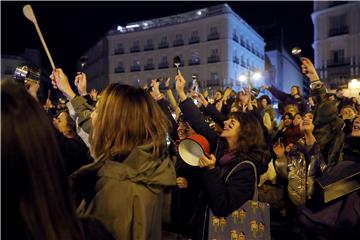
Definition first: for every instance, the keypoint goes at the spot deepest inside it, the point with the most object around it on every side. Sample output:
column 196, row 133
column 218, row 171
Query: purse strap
column 255, row 197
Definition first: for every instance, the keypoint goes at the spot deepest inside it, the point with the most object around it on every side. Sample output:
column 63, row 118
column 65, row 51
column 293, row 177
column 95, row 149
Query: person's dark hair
column 37, row 196
column 267, row 99
column 297, row 89
column 288, row 115
column 70, row 122
column 251, row 138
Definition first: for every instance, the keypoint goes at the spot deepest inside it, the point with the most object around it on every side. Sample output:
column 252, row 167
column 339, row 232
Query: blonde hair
column 127, row 117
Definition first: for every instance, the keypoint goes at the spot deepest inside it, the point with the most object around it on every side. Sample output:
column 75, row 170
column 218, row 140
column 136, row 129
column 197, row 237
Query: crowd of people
column 107, row 166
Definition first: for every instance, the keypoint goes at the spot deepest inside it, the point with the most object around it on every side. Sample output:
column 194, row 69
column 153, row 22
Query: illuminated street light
column 242, row 78
column 354, row 84
column 257, row 75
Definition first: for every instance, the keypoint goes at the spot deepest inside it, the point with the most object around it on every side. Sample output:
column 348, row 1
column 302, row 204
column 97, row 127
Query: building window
column 149, row 65
column 338, row 25
column 242, row 63
column 338, row 58
column 163, row 43
column 195, row 59
column 135, row 67
column 179, row 41
column 235, row 58
column 194, row 37
column 214, row 57
column 149, row 45
column 242, row 42
column 214, row 34
column 235, row 36
column 119, row 68
column 214, row 79
column 163, row 63
column 135, row 47
column 119, row 49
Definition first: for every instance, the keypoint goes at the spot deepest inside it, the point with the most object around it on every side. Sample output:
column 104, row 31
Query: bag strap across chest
column 255, row 197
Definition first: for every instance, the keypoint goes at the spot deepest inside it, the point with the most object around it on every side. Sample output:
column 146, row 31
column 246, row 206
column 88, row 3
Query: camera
column 24, row 74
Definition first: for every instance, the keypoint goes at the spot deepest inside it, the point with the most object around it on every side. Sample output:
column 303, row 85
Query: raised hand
column 180, row 86
column 201, row 99
column 308, row 69
column 81, row 83
column 60, row 81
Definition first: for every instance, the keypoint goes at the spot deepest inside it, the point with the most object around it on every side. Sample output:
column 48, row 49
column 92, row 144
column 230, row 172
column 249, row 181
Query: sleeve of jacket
column 278, row 94
column 83, row 111
column 164, row 105
column 217, row 116
column 197, row 121
column 224, row 198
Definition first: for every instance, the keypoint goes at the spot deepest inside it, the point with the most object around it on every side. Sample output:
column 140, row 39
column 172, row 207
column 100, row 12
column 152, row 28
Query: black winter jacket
column 221, row 198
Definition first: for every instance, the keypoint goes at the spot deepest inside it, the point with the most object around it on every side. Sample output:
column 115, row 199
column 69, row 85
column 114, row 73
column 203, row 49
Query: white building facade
column 337, row 41
column 283, row 72
column 214, row 43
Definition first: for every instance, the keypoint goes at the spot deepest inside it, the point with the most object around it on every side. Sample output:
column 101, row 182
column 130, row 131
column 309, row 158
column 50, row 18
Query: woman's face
column 183, row 130
column 61, row 123
column 294, row 91
column 297, row 119
column 231, row 128
column 264, row 103
column 287, row 121
column 218, row 96
column 308, row 116
column 356, row 127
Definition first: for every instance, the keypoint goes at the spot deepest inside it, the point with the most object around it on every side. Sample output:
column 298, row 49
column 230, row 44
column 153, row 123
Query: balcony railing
column 213, row 59
column 135, row 68
column 194, row 62
column 338, row 62
column 149, row 47
column 193, row 40
column 243, row 64
column 235, row 38
column 338, row 31
column 213, row 36
column 119, row 51
column 119, row 70
column 179, row 42
column 163, row 45
column 163, row 65
column 135, row 49
column 149, row 66
column 236, row 60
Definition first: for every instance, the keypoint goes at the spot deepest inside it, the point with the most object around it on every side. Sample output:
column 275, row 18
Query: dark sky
column 70, row 28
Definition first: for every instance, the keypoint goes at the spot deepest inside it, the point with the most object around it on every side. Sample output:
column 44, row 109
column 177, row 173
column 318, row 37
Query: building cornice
column 332, row 9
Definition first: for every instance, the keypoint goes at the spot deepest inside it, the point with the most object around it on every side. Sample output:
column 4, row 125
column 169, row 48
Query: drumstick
column 29, row 14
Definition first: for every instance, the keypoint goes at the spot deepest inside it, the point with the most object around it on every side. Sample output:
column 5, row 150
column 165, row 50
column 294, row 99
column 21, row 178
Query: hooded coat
column 127, row 196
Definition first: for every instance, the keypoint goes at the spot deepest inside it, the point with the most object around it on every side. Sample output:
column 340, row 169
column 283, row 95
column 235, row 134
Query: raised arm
column 193, row 115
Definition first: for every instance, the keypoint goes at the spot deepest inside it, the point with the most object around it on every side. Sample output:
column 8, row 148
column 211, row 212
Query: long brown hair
column 127, row 117
column 251, row 137
column 37, row 195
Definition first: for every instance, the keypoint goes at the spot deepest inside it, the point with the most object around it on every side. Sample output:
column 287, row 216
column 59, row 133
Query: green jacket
column 127, row 196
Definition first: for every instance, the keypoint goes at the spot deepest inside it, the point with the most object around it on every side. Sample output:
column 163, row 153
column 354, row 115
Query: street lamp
column 255, row 76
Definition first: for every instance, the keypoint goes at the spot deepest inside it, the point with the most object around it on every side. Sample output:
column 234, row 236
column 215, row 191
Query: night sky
column 70, row 28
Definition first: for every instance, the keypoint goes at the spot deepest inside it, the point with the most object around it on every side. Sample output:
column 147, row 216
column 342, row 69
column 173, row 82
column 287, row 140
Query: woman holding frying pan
column 242, row 139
